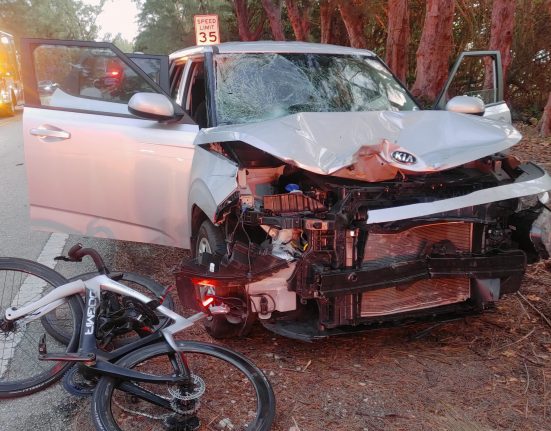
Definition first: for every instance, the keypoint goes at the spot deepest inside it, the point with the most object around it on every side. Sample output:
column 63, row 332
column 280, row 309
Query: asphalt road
column 52, row 409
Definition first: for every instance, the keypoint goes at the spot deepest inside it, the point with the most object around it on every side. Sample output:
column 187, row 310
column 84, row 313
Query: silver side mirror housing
column 151, row 106
column 466, row 105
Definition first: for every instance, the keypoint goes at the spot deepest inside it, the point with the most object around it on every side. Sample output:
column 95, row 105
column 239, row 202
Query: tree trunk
column 353, row 21
column 243, row 22
column 273, row 10
column 501, row 37
column 546, row 119
column 545, row 130
column 398, row 38
column 327, row 8
column 300, row 18
column 434, row 50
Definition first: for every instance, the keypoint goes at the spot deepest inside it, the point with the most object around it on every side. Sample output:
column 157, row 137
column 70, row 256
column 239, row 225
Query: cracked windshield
column 275, row 85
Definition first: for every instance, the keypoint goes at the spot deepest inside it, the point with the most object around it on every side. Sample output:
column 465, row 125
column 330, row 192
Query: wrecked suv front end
column 338, row 221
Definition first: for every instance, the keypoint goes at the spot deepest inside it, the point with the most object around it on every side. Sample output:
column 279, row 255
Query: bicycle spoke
column 21, row 371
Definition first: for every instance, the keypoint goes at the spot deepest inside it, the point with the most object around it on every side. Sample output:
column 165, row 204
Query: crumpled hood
column 325, row 142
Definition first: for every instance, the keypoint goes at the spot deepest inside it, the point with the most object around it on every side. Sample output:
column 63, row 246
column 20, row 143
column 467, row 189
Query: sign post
column 207, row 30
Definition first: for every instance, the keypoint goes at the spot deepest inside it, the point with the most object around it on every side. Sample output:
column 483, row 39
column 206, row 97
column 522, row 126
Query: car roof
column 270, row 47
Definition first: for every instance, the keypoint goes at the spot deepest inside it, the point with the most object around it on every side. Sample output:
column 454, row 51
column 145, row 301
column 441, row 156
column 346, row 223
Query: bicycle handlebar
column 77, row 252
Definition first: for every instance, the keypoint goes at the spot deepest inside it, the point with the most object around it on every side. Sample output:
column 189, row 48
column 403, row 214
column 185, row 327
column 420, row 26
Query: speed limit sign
column 207, row 31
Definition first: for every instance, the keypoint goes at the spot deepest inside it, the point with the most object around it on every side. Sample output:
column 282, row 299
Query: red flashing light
column 208, row 301
column 115, row 73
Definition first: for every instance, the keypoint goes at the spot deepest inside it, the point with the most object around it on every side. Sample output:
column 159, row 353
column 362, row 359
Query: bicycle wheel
column 229, row 392
column 138, row 282
column 21, row 372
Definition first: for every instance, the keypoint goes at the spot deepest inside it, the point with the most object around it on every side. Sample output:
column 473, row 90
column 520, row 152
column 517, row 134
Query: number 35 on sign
column 207, row 31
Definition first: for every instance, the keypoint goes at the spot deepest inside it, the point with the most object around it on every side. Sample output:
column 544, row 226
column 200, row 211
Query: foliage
column 120, row 42
column 167, row 25
column 51, row 19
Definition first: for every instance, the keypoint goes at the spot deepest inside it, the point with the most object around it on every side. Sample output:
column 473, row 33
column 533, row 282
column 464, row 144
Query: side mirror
column 151, row 106
column 466, row 105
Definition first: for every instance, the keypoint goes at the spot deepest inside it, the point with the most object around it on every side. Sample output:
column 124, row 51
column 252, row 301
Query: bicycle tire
column 16, row 344
column 103, row 399
column 129, row 277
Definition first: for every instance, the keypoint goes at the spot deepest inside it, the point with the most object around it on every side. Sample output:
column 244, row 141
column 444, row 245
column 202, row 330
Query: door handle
column 51, row 133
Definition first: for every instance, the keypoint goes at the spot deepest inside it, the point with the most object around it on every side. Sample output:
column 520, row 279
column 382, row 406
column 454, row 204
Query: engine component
column 292, row 203
column 286, row 243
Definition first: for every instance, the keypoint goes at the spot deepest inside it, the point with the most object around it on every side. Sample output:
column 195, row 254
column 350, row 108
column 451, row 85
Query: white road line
column 53, row 248
column 33, row 287
column 30, row 290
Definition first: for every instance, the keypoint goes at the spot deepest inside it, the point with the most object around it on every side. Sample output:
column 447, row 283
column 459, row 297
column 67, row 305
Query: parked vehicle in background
column 307, row 182
column 11, row 88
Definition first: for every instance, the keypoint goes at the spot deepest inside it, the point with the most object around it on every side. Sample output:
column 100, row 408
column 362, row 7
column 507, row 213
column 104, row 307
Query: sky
column 118, row 16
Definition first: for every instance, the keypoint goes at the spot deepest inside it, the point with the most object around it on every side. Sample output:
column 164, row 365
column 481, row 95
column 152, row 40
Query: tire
column 226, row 375
column 138, row 282
column 210, row 239
column 21, row 372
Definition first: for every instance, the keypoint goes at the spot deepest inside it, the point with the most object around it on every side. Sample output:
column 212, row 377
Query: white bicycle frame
column 34, row 310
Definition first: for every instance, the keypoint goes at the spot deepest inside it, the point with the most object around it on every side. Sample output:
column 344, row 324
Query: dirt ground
column 487, row 372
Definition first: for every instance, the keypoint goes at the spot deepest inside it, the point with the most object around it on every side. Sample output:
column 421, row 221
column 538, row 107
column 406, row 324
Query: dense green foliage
column 59, row 19
column 167, row 25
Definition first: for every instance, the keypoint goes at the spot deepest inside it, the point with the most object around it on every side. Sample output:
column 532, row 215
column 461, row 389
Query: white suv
column 306, row 180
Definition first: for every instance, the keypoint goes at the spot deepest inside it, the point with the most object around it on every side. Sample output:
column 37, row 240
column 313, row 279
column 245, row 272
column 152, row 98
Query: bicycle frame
column 88, row 352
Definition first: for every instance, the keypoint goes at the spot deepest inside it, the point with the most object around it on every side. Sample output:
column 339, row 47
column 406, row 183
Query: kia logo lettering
column 403, row 157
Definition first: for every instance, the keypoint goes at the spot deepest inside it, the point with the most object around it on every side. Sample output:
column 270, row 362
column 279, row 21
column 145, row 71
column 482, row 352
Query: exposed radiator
column 423, row 294
column 383, row 249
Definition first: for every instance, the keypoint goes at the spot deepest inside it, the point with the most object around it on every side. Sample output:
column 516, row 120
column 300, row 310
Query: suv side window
column 85, row 78
column 474, row 77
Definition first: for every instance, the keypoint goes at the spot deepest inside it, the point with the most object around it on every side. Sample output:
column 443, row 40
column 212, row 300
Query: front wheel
column 21, row 372
column 227, row 391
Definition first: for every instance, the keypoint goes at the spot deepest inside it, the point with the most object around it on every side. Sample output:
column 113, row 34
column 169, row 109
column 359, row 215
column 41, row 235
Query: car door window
column 474, row 77
column 86, row 78
column 475, row 74
column 155, row 66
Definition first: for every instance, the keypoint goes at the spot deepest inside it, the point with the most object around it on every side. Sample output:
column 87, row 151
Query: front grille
column 386, row 249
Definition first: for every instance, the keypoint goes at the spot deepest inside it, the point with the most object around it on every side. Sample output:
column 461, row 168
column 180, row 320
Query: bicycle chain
column 176, row 396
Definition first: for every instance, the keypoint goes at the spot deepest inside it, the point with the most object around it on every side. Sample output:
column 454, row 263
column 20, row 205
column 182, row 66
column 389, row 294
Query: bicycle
column 155, row 382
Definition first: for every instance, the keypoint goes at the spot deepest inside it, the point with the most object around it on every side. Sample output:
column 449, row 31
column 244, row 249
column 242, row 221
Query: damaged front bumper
column 363, row 268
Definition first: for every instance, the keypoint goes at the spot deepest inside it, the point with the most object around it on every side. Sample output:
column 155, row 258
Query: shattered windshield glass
column 256, row 87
